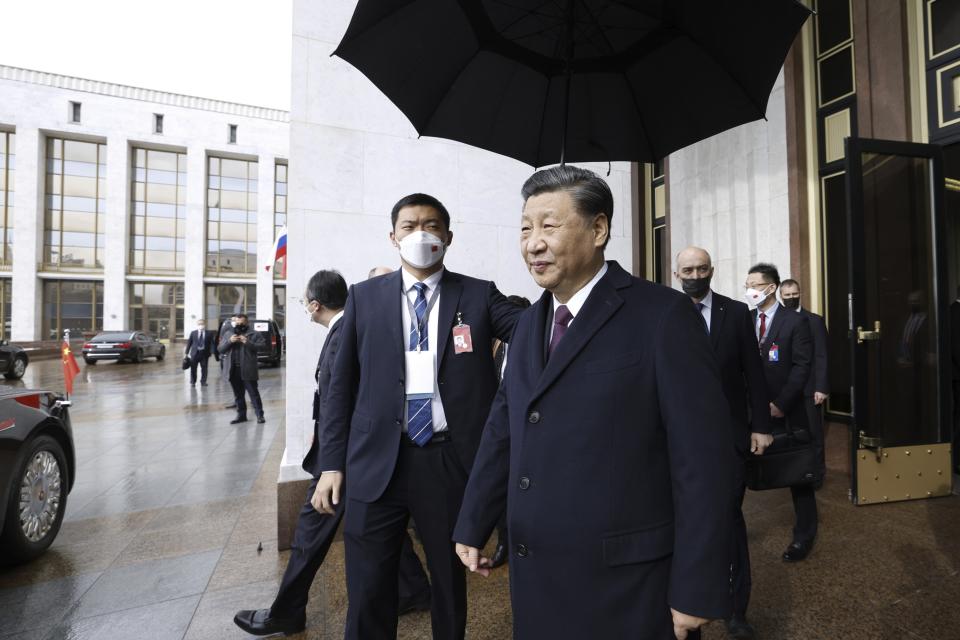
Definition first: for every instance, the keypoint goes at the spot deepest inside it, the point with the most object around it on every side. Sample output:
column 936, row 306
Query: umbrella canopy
column 577, row 80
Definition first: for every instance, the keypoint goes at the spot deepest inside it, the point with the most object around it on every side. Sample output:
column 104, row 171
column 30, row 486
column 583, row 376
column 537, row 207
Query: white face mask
column 421, row 249
column 755, row 297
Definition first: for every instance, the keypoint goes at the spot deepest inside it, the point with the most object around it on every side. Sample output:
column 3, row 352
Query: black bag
column 793, row 459
column 186, row 363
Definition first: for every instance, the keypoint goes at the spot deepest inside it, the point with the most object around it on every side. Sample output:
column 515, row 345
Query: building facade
column 133, row 208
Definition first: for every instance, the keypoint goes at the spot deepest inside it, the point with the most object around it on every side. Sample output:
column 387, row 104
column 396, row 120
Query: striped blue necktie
column 419, row 411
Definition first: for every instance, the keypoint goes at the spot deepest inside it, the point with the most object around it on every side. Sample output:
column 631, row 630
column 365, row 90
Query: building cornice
column 16, row 74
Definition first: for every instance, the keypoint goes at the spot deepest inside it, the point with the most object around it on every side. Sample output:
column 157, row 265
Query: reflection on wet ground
column 171, row 502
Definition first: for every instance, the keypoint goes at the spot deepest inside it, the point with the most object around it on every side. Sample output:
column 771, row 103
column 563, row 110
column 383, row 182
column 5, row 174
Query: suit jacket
column 616, row 478
column 820, row 370
column 194, row 346
column 245, row 353
column 788, row 375
column 362, row 420
column 741, row 370
column 323, row 375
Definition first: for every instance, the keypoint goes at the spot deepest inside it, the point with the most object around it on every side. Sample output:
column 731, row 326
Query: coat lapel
column 390, row 286
column 778, row 319
column 600, row 305
column 717, row 315
column 450, row 290
column 537, row 356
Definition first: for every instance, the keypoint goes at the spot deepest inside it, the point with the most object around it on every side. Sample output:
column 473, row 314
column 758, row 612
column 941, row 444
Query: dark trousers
column 202, row 361
column 242, row 387
column 805, row 507
column 740, row 577
column 311, row 541
column 427, row 484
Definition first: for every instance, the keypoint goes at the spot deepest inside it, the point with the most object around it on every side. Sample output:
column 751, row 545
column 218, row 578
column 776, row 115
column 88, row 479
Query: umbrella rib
column 643, row 124
column 526, row 13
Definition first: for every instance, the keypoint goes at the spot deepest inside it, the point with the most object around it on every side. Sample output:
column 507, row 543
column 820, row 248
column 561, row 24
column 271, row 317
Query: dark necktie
column 561, row 319
column 419, row 411
column 700, row 307
column 763, row 330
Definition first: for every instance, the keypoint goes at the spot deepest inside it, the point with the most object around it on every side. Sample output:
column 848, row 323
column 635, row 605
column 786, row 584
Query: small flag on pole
column 70, row 368
column 280, row 252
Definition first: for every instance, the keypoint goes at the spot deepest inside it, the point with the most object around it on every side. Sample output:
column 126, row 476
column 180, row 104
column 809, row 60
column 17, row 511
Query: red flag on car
column 70, row 367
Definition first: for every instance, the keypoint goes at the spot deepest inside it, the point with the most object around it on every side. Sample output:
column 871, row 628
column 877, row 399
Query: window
column 75, row 112
column 74, row 205
column 222, row 301
column 6, row 299
column 7, row 166
column 233, row 134
column 660, row 267
column 231, row 216
column 71, row 304
column 158, row 224
column 280, row 307
column 157, row 308
column 279, row 210
column 158, row 123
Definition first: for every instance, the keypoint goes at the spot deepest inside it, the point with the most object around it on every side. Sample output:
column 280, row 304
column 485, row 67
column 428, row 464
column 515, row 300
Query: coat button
column 524, row 483
column 399, row 421
column 521, row 551
column 534, row 417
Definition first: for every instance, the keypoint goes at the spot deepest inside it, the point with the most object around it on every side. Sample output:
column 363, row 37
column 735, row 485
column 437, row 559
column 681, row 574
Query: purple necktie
column 561, row 318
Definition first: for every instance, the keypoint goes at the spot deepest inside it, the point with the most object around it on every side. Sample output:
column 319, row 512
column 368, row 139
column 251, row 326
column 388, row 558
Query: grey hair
column 591, row 194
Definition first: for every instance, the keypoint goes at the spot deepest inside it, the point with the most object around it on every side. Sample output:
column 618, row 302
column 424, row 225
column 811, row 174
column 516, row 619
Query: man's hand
column 683, row 624
column 327, row 494
column 775, row 411
column 471, row 559
column 759, row 442
column 819, row 397
column 234, row 338
column 242, row 339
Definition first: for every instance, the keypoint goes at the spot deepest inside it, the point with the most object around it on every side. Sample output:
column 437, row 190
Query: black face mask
column 696, row 287
column 791, row 303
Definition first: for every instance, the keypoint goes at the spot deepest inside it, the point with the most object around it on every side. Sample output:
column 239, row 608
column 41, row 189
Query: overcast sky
column 235, row 50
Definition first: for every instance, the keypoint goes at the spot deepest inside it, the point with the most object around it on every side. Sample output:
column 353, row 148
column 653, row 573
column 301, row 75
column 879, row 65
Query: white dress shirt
column 707, row 310
column 575, row 303
column 334, row 320
column 772, row 311
column 433, row 340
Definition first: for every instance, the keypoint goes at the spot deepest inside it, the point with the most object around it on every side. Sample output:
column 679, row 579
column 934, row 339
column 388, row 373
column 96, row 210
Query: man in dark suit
column 413, row 382
column 200, row 346
column 324, row 300
column 787, row 352
column 741, row 372
column 818, row 384
column 238, row 349
column 609, row 441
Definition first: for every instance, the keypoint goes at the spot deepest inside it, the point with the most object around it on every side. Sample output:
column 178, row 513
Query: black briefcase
column 793, row 459
column 186, row 363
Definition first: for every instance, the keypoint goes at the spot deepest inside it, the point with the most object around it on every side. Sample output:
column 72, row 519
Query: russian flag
column 280, row 251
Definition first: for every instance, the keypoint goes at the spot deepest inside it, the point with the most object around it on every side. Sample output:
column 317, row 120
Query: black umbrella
column 574, row 80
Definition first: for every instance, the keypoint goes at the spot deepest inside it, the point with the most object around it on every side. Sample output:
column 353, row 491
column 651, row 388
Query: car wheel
column 162, row 354
column 90, row 361
column 38, row 499
column 17, row 370
column 138, row 356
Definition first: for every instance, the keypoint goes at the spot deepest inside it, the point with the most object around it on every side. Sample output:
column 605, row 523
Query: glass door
column 898, row 338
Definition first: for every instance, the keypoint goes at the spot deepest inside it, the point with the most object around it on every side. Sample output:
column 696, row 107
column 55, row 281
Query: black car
column 272, row 350
column 37, row 471
column 133, row 346
column 13, row 360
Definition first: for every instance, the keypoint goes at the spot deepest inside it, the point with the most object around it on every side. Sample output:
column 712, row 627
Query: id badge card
column 462, row 340
column 774, row 355
column 420, row 372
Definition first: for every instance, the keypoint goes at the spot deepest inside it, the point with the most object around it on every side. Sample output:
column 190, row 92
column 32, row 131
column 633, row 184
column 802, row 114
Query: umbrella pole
column 569, row 73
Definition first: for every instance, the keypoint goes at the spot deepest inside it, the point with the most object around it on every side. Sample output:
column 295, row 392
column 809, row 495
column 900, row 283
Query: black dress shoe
column 740, row 629
column 416, row 603
column 260, row 623
column 230, row 406
column 203, row 384
column 499, row 555
column 238, row 419
column 797, row 551
column 261, row 419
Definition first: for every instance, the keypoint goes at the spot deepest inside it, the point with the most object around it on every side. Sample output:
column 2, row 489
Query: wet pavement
column 171, row 502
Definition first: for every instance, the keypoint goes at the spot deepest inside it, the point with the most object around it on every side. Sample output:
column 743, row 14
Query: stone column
column 195, row 239
column 117, row 247
column 265, row 236
column 28, row 230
